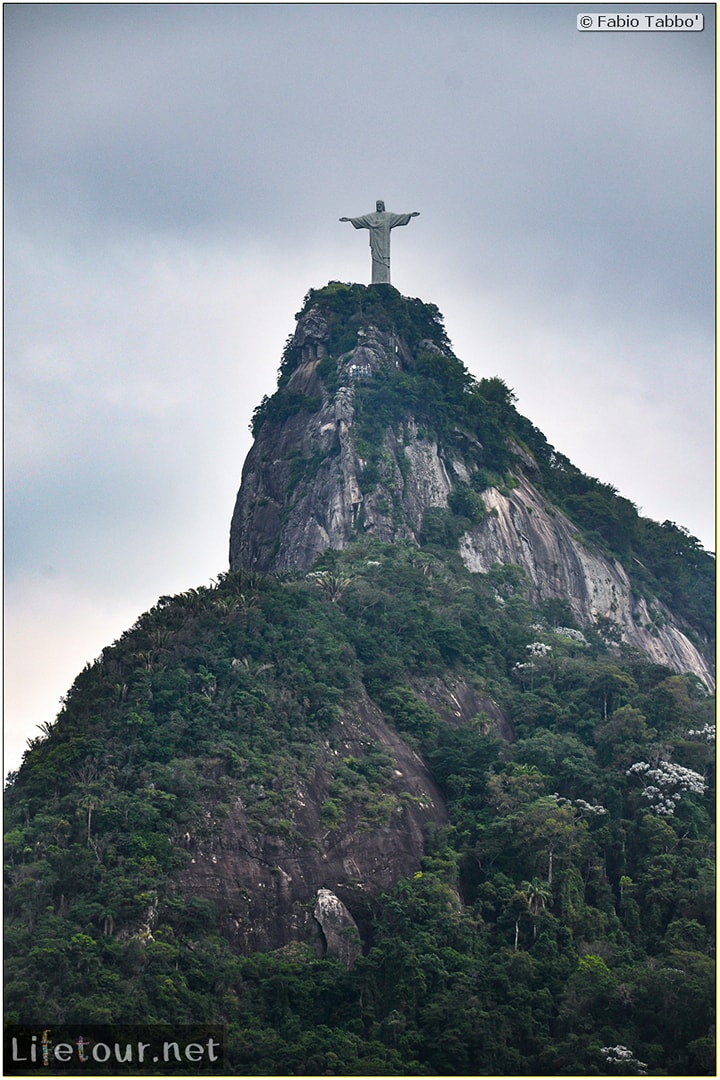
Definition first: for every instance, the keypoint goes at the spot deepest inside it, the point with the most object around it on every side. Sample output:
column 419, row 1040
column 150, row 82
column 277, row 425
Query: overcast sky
column 174, row 175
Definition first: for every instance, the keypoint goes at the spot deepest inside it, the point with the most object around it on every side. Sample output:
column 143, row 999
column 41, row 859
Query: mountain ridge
column 374, row 807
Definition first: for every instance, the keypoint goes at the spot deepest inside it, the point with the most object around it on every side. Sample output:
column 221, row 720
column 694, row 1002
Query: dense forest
column 565, row 912
column 562, row 921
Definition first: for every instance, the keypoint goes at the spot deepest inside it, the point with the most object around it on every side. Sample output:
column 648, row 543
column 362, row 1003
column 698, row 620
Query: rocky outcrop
column 458, row 703
column 340, row 935
column 301, row 490
column 305, row 489
column 271, row 889
column 520, row 528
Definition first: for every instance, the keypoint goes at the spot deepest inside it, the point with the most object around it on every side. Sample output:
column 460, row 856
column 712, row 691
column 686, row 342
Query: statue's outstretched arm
column 363, row 222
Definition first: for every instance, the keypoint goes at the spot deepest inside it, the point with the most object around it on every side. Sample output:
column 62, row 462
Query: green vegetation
column 280, row 407
column 560, row 905
column 562, row 921
column 350, row 307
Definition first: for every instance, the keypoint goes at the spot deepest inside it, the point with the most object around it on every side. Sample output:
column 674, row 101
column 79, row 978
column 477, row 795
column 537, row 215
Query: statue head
column 380, row 206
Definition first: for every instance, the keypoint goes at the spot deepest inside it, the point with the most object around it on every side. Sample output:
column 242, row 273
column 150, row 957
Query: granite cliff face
column 313, row 482
column 522, row 529
column 270, row 891
column 301, row 488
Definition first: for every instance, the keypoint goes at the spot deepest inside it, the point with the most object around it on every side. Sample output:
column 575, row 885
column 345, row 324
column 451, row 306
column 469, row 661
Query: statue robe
column 379, row 225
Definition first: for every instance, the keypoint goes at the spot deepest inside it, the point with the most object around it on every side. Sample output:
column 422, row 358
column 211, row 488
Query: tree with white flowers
column 705, row 734
column 537, row 651
column 664, row 784
column 624, row 1060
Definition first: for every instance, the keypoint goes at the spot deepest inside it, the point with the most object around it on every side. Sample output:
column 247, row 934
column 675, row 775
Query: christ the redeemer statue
column 379, row 225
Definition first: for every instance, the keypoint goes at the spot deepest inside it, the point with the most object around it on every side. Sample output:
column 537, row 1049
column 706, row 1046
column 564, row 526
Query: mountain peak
column 376, row 428
column 327, row 464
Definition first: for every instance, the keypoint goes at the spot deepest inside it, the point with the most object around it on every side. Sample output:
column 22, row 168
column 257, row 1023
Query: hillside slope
column 390, row 797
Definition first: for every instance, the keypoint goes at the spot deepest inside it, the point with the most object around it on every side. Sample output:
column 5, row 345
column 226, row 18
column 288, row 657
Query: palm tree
column 333, row 585
column 537, row 893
